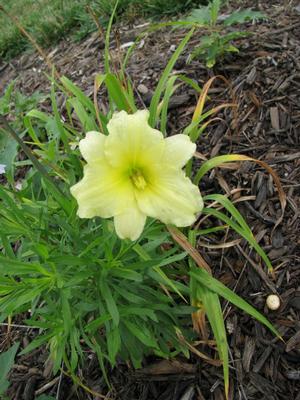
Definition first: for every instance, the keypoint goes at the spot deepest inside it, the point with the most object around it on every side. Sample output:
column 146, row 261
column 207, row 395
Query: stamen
column 138, row 180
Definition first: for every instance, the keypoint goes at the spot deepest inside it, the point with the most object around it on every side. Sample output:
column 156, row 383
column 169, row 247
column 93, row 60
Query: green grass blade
column 245, row 234
column 118, row 94
column 231, row 208
column 28, row 124
column 110, row 301
column 210, row 301
column 59, row 124
column 217, row 287
column 212, row 307
column 210, row 230
column 152, row 28
column 163, row 80
column 107, row 39
column 170, row 89
column 192, row 129
column 214, row 162
column 78, row 93
column 145, row 256
column 194, row 85
column 88, row 122
column 95, row 346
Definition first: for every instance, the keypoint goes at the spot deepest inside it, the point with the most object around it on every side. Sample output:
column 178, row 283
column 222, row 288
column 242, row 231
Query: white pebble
column 273, row 302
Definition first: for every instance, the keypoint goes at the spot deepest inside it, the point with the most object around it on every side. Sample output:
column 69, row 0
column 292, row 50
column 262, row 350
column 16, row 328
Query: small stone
column 273, row 302
column 142, row 89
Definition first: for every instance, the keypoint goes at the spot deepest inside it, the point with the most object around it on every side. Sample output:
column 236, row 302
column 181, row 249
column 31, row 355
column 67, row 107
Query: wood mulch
column 265, row 84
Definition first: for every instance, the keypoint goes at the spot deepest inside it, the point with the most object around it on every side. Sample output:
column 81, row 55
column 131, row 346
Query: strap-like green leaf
column 217, row 287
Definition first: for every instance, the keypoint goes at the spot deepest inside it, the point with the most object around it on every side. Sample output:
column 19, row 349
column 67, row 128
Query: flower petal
column 102, row 192
column 131, row 140
column 130, row 224
column 173, row 199
column 179, row 149
column 92, row 147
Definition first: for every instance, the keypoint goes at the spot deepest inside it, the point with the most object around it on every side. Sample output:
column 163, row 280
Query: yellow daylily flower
column 135, row 172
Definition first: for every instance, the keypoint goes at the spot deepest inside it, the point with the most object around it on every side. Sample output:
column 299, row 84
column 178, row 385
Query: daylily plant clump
column 135, row 172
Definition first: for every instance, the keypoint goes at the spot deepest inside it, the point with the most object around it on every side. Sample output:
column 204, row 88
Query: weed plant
column 219, row 38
